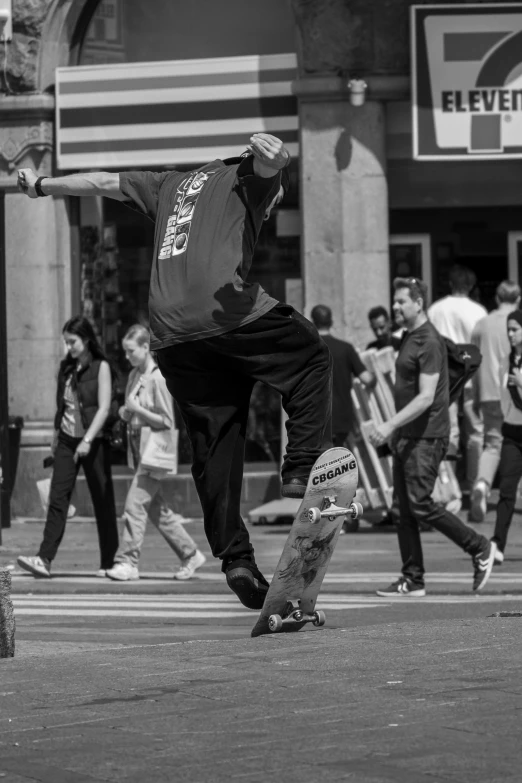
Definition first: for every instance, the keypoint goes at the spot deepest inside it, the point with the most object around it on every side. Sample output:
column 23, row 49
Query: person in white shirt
column 490, row 336
column 455, row 316
column 510, row 468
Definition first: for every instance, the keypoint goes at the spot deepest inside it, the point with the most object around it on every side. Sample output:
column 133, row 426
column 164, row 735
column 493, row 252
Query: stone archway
column 62, row 33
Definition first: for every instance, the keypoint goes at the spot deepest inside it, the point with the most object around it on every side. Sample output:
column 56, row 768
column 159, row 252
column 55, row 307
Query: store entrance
column 478, row 238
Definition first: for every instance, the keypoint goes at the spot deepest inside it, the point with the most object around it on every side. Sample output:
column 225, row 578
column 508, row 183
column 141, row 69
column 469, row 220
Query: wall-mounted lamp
column 6, row 22
column 357, row 89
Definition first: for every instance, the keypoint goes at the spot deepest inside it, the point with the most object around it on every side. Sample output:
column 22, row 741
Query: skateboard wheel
column 275, row 623
column 319, row 618
column 356, row 510
column 314, row 515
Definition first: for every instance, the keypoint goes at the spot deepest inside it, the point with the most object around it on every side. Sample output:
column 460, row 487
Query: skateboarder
column 215, row 334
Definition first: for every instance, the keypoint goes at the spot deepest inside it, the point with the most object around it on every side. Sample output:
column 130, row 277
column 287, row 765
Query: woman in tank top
column 83, row 402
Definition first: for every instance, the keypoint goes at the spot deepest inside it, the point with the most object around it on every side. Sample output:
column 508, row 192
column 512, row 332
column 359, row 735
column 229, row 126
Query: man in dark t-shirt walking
column 346, row 365
column 419, row 436
column 215, row 334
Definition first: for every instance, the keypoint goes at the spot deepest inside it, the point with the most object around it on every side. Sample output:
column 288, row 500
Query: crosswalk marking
column 204, row 607
column 154, row 578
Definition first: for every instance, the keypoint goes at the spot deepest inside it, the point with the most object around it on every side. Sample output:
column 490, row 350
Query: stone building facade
column 345, row 173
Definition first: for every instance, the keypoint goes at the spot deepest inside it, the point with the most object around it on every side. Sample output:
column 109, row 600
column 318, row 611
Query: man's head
column 321, row 316
column 462, row 280
column 285, row 184
column 410, row 299
column 508, row 292
column 380, row 324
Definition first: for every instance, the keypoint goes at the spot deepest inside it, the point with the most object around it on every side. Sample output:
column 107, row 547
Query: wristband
column 38, row 186
column 87, row 440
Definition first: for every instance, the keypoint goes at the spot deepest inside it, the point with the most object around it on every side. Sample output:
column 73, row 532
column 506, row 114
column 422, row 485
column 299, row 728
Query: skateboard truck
column 331, row 511
column 294, row 614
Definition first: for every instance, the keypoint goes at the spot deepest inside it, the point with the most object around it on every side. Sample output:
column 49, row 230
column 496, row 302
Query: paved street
column 159, row 680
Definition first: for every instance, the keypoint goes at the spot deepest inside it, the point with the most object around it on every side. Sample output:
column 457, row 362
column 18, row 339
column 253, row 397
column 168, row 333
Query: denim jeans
column 415, row 470
column 490, row 457
column 97, row 469
column 146, row 499
column 211, row 381
column 472, row 433
column 510, row 472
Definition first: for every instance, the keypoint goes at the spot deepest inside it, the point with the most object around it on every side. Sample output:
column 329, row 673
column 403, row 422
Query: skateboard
column 328, row 500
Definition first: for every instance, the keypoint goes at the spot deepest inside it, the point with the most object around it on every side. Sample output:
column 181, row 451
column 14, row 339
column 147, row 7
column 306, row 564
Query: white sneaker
column 123, row 572
column 479, row 502
column 101, row 572
column 35, row 566
column 499, row 557
column 190, row 565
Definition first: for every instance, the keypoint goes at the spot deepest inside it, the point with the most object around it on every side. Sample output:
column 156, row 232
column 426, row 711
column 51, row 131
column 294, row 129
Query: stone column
column 344, row 205
column 38, row 280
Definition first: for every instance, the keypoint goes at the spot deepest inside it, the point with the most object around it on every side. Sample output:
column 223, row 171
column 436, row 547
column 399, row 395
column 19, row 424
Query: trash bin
column 15, row 426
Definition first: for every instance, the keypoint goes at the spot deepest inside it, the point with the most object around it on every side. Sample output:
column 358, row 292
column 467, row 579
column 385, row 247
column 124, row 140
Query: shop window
column 116, row 243
column 116, row 246
column 136, row 31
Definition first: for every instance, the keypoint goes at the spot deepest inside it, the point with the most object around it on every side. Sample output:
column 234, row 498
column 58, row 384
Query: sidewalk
column 360, row 561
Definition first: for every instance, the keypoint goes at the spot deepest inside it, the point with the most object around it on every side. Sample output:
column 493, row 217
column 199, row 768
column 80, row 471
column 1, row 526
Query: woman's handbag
column 118, row 436
column 161, row 451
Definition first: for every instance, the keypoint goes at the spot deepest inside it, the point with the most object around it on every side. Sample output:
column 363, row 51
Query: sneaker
column 101, row 572
column 190, row 565
column 479, row 503
column 248, row 583
column 402, row 587
column 483, row 563
column 294, row 487
column 499, row 557
column 123, row 572
column 37, row 566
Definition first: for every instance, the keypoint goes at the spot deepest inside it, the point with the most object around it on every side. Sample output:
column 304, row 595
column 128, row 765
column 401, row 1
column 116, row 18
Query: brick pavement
column 398, row 703
column 402, row 701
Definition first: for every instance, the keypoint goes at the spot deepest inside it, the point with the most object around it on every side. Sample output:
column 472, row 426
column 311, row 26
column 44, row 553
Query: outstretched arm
column 98, row 183
column 270, row 154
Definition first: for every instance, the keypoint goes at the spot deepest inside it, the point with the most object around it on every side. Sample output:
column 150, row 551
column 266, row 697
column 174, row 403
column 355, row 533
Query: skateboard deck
column 328, row 500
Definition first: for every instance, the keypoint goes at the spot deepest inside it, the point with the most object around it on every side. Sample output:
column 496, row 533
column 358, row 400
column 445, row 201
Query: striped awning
column 172, row 112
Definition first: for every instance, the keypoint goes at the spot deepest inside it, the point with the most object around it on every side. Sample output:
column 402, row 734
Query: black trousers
column 415, row 470
column 212, row 381
column 510, row 473
column 97, row 468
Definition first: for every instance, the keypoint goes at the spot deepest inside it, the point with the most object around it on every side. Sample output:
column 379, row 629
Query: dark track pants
column 212, row 380
column 97, row 469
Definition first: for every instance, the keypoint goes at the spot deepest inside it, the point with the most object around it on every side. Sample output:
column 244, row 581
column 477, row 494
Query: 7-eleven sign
column 467, row 81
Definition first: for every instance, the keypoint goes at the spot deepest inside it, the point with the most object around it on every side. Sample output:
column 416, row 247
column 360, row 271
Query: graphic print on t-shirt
column 177, row 233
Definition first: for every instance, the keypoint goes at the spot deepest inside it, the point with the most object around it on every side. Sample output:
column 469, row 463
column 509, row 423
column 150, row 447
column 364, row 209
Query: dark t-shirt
column 207, row 224
column 346, row 364
column 395, row 343
column 423, row 351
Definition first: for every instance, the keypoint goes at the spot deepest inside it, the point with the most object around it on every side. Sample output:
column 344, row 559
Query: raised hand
column 26, row 181
column 269, row 150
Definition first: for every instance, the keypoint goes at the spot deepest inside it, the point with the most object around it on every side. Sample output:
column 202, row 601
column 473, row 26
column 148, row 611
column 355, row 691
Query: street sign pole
column 5, row 505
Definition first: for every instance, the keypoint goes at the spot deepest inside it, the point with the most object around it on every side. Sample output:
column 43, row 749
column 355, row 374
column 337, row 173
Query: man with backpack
column 455, row 317
column 418, row 435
